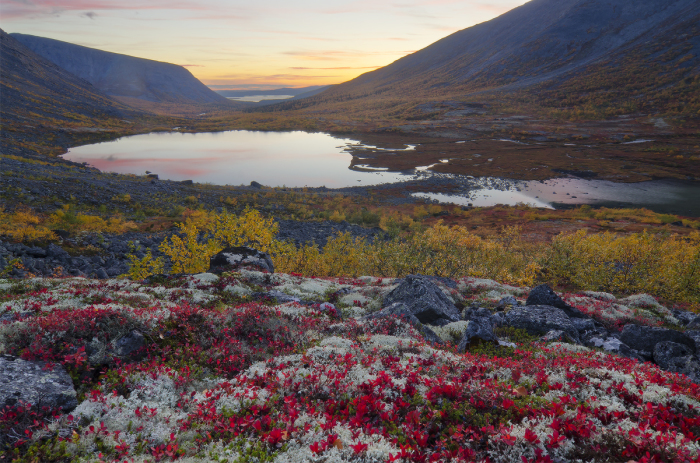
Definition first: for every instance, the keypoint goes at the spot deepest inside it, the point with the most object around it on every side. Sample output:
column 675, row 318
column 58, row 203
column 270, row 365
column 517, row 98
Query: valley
column 486, row 250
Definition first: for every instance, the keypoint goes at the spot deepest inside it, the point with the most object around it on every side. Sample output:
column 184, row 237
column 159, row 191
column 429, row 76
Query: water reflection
column 236, row 157
column 663, row 196
column 297, row 159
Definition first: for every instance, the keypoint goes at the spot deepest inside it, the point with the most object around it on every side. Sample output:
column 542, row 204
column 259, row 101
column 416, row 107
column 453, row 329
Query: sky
column 254, row 45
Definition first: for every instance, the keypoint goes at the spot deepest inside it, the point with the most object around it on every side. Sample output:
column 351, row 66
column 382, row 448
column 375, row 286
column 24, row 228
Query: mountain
column 35, row 90
column 610, row 51
column 124, row 77
column 313, row 89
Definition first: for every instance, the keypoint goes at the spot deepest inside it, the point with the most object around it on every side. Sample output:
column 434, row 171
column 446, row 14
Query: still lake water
column 297, row 159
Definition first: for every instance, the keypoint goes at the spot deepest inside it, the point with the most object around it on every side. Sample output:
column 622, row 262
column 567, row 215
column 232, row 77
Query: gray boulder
column 540, row 319
column 555, row 336
column 694, row 324
column 424, row 300
column 613, row 345
column 583, row 325
column 684, row 316
column 479, row 329
column 544, row 295
column 130, row 346
column 400, row 310
column 666, row 353
column 30, row 382
column 507, row 301
column 235, row 258
column 645, row 338
column 677, row 358
column 695, row 334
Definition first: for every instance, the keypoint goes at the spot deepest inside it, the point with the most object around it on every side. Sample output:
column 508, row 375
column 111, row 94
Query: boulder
column 583, row 324
column 424, row 300
column 35, row 383
column 235, row 258
column 694, row 324
column 507, row 301
column 544, row 295
column 479, row 329
column 555, row 336
column 130, row 346
column 614, row 346
column 677, row 358
column 684, row 316
column 400, row 310
column 645, row 338
column 666, row 353
column 540, row 319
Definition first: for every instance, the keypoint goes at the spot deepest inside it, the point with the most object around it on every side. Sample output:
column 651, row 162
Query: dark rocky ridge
column 124, row 76
column 33, row 84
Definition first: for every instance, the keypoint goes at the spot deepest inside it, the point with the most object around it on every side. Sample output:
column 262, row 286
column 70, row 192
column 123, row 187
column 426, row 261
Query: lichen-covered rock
column 555, row 336
column 130, row 346
column 583, row 324
column 479, row 329
column 544, row 295
column 35, row 383
column 540, row 319
column 424, row 300
column 234, row 258
column 645, row 338
column 666, row 353
column 684, row 316
column 677, row 358
column 400, row 310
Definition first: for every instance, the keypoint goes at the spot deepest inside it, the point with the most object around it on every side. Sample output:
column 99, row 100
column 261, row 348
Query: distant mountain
column 36, row 91
column 587, row 52
column 124, row 77
column 313, row 89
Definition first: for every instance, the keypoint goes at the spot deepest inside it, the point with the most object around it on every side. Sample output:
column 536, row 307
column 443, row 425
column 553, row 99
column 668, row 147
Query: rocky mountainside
column 244, row 364
column 124, row 76
column 34, row 90
column 574, row 46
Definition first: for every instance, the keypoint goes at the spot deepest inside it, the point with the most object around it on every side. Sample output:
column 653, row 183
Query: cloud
column 299, row 68
column 12, row 9
column 192, row 65
column 90, row 14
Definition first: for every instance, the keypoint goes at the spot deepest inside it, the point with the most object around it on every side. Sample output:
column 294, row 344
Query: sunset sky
column 262, row 44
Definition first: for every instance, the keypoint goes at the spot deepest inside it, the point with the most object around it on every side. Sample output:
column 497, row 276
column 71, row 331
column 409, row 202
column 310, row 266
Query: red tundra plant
column 224, row 381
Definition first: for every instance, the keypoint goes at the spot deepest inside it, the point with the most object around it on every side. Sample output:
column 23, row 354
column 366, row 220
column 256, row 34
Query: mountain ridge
column 119, row 75
column 543, row 41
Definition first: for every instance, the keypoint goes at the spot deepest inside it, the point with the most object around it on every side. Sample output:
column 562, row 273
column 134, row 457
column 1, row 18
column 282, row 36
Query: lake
column 298, row 159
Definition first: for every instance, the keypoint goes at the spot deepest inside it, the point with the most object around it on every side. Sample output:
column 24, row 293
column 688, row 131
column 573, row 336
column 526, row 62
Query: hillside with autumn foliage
column 574, row 58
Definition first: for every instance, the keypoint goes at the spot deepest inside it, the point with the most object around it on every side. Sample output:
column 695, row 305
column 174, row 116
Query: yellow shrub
column 188, row 255
column 23, row 225
column 641, row 262
column 249, row 229
column 144, row 267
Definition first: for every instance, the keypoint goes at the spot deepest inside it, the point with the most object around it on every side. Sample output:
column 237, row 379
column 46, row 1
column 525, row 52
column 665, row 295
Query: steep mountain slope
column 654, row 43
column 34, row 90
column 124, row 76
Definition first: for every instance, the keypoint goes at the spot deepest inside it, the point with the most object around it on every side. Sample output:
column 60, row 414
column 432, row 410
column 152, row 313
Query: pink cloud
column 20, row 8
column 337, row 68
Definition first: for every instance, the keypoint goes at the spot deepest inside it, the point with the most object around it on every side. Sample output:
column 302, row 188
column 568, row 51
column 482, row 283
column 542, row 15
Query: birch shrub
column 663, row 265
column 666, row 266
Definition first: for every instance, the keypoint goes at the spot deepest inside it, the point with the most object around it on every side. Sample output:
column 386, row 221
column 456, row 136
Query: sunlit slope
column 125, row 76
column 551, row 52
